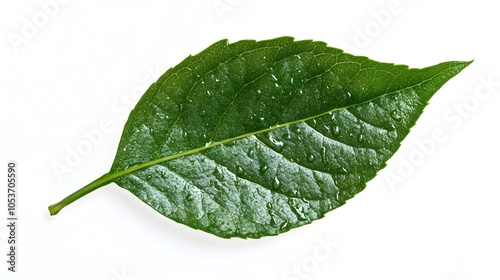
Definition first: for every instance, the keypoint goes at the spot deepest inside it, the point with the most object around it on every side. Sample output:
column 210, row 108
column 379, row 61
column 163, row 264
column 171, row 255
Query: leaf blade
column 255, row 138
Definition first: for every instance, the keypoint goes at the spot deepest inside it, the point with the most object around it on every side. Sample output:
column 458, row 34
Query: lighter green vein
column 112, row 176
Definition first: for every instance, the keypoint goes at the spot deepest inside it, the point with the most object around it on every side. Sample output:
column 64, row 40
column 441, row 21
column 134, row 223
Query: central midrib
column 111, row 176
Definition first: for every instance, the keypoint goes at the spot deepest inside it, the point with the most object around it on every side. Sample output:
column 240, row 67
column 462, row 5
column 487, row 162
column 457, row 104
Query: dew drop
column 230, row 144
column 278, row 145
column 336, row 130
column 323, row 155
column 276, row 183
column 263, row 169
column 239, row 169
column 274, row 77
column 310, row 158
column 287, row 136
column 218, row 175
column 348, row 95
column 203, row 113
column 395, row 115
column 361, row 138
column 163, row 175
column 251, row 153
column 148, row 177
column 269, row 205
column 273, row 221
column 284, row 224
column 299, row 212
column 344, row 170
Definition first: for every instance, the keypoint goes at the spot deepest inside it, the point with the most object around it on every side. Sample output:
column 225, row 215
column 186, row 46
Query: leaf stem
column 99, row 182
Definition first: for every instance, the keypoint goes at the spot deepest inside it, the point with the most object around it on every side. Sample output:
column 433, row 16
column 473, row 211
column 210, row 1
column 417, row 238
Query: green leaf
column 255, row 138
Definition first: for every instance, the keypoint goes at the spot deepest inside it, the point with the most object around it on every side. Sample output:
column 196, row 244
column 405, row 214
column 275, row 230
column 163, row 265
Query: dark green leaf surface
column 252, row 139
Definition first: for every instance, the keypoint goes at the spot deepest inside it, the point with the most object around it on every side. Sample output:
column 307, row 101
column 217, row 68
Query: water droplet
column 337, row 196
column 189, row 197
column 323, row 155
column 276, row 183
column 336, row 130
column 273, row 221
column 344, row 170
column 392, row 126
column 274, row 77
column 287, row 136
column 217, row 80
column 269, row 205
column 299, row 212
column 203, row 113
column 395, row 115
column 218, row 175
column 148, row 177
column 230, row 144
column 163, row 175
column 310, row 158
column 239, row 169
column 291, row 81
column 278, row 145
column 276, row 85
column 263, row 169
column 284, row 224
column 251, row 153
column 348, row 95
column 361, row 138
column 262, row 122
column 208, row 144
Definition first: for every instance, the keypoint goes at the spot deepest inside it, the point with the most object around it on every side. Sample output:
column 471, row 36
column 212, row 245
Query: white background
column 432, row 213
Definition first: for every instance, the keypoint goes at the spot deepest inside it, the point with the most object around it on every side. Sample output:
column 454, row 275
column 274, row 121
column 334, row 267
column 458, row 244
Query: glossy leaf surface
column 255, row 138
